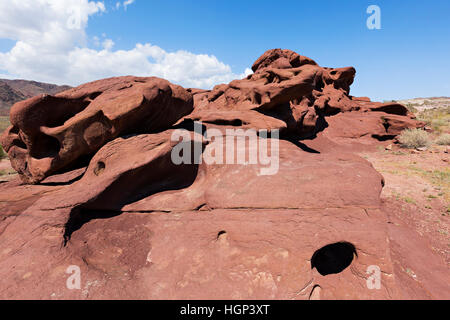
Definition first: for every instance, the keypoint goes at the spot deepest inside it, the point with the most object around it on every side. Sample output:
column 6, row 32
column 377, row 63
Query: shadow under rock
column 158, row 176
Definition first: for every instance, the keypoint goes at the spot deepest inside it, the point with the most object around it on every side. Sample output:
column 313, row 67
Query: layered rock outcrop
column 109, row 198
column 50, row 133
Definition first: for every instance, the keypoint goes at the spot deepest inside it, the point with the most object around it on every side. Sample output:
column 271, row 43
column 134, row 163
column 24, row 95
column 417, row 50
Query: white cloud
column 51, row 46
column 108, row 44
column 127, row 3
column 96, row 41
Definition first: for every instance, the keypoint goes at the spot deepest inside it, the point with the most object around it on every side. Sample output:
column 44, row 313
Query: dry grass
column 438, row 177
column 414, row 138
column 443, row 140
column 411, row 107
column 437, row 118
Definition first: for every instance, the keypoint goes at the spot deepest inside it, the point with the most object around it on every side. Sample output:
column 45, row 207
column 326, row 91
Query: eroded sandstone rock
column 140, row 226
column 288, row 92
column 50, row 133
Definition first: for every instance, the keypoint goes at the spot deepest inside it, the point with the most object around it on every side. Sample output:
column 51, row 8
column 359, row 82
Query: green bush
column 414, row 138
column 443, row 140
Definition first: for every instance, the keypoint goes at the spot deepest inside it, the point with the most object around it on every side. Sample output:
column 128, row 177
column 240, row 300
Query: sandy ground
column 417, row 191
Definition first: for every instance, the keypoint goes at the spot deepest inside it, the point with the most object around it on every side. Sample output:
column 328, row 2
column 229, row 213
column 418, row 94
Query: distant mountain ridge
column 12, row 91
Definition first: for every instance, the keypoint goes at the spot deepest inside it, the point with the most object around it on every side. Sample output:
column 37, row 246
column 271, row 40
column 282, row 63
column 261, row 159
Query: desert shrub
column 2, row 153
column 414, row 138
column 437, row 118
column 411, row 108
column 443, row 140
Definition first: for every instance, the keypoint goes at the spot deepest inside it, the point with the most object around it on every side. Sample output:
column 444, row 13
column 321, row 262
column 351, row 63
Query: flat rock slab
column 226, row 254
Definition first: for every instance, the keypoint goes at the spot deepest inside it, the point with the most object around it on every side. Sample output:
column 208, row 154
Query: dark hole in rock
column 225, row 122
column 19, row 144
column 258, row 98
column 333, row 258
column 383, row 137
column 94, row 95
column 236, row 123
column 190, row 125
column 221, row 233
column 99, row 168
column 45, row 147
column 319, row 85
column 60, row 109
column 15, row 130
column 386, row 125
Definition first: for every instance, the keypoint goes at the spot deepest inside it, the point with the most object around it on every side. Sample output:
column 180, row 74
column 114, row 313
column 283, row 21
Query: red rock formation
column 50, row 133
column 293, row 89
column 140, row 226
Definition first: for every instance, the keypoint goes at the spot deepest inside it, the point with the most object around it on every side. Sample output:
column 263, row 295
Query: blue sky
column 408, row 57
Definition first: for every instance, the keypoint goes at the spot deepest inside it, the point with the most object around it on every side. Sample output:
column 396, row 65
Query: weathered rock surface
column 293, row 94
column 50, row 133
column 141, row 226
